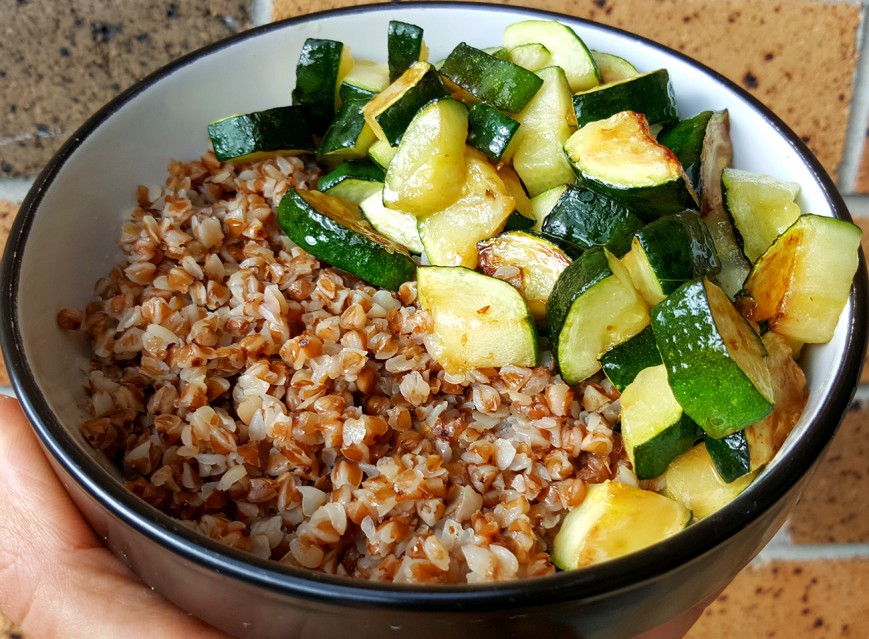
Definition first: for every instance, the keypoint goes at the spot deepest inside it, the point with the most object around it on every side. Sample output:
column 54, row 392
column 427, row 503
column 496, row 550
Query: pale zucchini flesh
column 539, row 263
column 567, row 49
column 593, row 307
column 450, row 235
column 655, row 429
column 545, row 124
column 614, row 520
column 398, row 226
column 428, row 169
column 477, row 321
column 692, row 480
column 801, row 283
column 761, row 207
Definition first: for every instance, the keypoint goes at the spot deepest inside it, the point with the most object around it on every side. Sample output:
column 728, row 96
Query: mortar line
column 812, row 552
column 14, row 189
column 261, row 12
column 855, row 135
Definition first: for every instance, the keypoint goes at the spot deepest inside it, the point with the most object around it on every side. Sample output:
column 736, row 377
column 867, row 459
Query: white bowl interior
column 72, row 240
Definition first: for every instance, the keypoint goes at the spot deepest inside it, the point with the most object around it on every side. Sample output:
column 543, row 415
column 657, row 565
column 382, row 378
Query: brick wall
column 806, row 59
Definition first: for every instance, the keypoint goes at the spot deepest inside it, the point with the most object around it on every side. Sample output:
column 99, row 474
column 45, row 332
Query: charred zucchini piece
column 618, row 157
column 538, row 261
column 801, row 283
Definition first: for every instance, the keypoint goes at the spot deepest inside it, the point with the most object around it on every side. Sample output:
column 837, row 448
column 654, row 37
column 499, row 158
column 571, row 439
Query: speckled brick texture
column 833, row 508
column 63, row 64
column 796, row 56
column 791, row 600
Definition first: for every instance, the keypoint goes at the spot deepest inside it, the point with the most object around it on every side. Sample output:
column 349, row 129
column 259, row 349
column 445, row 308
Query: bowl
column 64, row 239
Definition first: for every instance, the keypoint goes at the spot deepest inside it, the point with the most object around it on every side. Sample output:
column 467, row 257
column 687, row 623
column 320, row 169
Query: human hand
column 56, row 578
column 55, row 573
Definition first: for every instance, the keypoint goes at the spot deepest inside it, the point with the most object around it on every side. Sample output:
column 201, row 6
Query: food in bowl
column 360, row 423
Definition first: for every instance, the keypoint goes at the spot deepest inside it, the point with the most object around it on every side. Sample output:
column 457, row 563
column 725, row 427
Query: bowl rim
column 591, row 582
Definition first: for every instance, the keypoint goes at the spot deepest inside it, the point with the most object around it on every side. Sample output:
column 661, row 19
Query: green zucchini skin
column 404, row 43
column 317, row 81
column 518, row 222
column 395, row 118
column 490, row 130
column 679, row 248
column 622, row 363
column 685, row 139
column 655, row 455
column 345, row 137
column 730, row 455
column 591, row 308
column 502, row 84
column 649, row 93
column 279, row 130
column 707, row 382
column 352, row 169
column 586, row 219
column 590, row 268
column 361, row 251
column 353, row 180
column 651, row 202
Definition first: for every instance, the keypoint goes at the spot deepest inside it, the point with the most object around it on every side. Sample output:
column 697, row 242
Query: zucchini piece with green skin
column 539, row 263
column 801, row 283
column 365, row 80
column 760, row 206
column 546, row 123
column 618, row 157
column 592, row 308
column 717, row 154
column 514, row 185
column 490, row 130
column 614, row 520
column 715, row 360
column 613, row 68
column 398, row 226
column 261, row 134
column 585, row 218
column 404, row 46
column 648, row 93
column 532, row 56
column 623, row 362
column 500, row 83
column 427, row 172
column 685, row 139
column 477, row 321
column 353, row 180
column 655, row 429
column 693, row 481
column 391, row 111
column 668, row 252
column 321, row 69
column 450, row 235
column 730, row 455
column 567, row 49
column 333, row 230
column 747, row 450
column 348, row 137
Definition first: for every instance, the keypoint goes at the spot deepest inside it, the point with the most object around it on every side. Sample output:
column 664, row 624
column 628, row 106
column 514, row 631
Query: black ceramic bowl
column 64, row 239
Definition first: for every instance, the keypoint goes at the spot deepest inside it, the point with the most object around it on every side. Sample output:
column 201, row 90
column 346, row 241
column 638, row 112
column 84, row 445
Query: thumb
column 54, row 572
